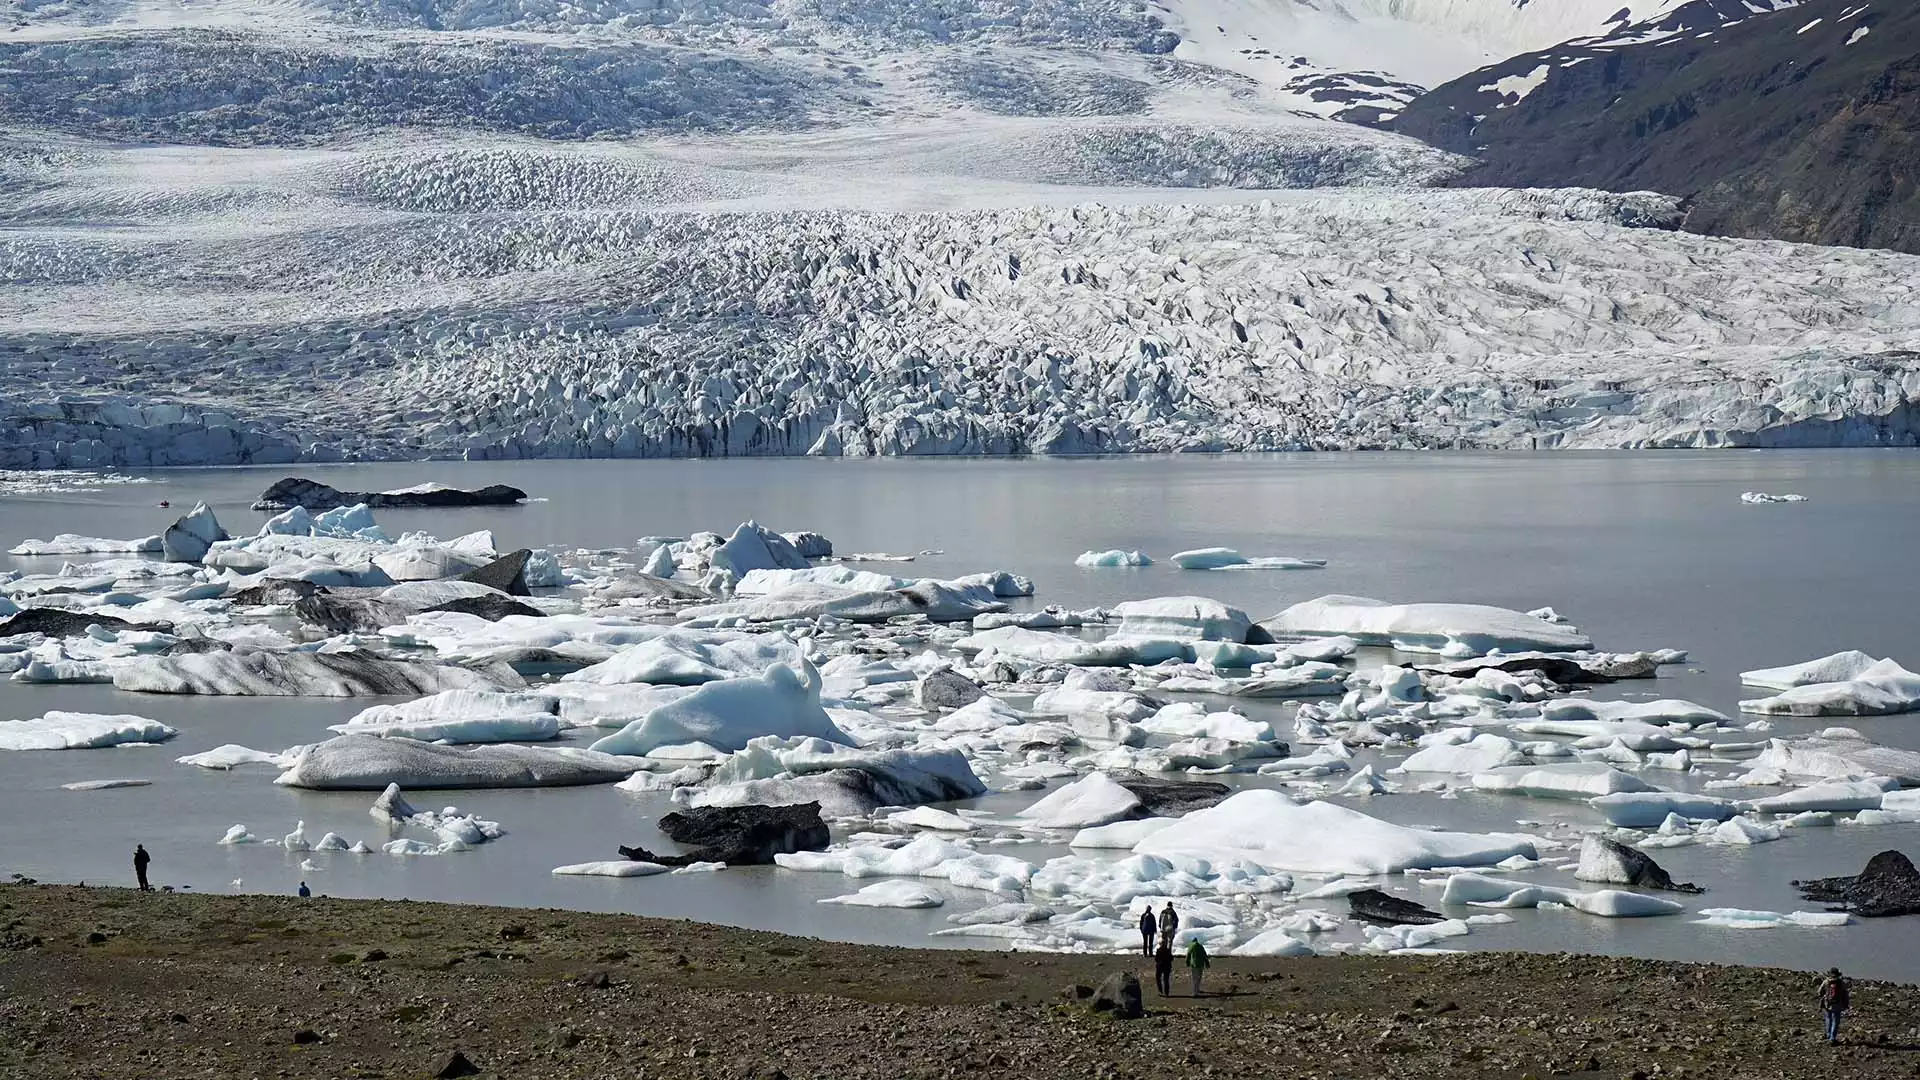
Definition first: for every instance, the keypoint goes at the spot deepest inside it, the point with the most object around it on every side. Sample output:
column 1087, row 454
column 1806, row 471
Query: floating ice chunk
column 937, row 601
column 726, row 715
column 297, row 839
column 1272, row 943
column 229, row 756
column 890, row 894
column 844, row 780
column 301, row 674
column 926, row 817
column 1667, row 711
column 685, row 658
column 1837, row 667
column 660, row 562
column 1120, row 705
column 1095, row 799
column 71, row 544
column 1112, row 558
column 238, row 834
column 364, row 763
column 1836, row 795
column 189, row 537
column 1220, row 558
column 1460, row 630
column 407, row 848
column 1648, row 809
column 1182, row 618
column 1583, row 780
column 1364, row 782
column 767, row 582
column 104, row 785
column 1267, row 828
column 1761, row 498
column 1743, row 919
column 1188, row 720
column 1120, row 835
column 1483, row 891
column 1836, row 754
column 1742, row 831
column 1620, row 904
column 80, row 731
column 611, row 868
column 1480, row 754
column 1883, row 688
column 486, row 729
column 1041, row 647
column 752, row 547
column 332, row 842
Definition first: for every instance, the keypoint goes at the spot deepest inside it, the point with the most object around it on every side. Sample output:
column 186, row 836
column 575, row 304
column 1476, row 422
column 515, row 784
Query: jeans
column 1146, row 943
column 1833, row 1025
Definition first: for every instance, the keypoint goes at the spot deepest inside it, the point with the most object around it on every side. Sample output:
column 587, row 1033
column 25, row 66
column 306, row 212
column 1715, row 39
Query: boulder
column 1611, row 862
column 452, row 1066
column 1119, row 996
column 739, row 835
column 189, row 537
column 296, row 491
column 508, row 573
column 1372, row 905
column 1888, row 886
column 945, row 688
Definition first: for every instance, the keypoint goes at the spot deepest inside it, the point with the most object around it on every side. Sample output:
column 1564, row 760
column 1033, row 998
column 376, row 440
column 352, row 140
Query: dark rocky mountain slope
column 1801, row 124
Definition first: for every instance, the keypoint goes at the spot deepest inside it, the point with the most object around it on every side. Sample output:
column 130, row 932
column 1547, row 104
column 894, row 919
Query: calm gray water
column 1642, row 550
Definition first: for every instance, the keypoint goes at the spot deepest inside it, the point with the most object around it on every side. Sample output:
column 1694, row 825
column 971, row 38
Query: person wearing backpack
column 1835, row 999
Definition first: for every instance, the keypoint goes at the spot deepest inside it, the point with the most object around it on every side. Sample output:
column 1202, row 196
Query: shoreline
column 108, row 982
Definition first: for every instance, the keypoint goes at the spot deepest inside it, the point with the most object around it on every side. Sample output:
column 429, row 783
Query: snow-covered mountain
column 266, row 230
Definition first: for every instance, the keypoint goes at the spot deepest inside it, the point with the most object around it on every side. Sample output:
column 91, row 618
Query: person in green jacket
column 1197, row 962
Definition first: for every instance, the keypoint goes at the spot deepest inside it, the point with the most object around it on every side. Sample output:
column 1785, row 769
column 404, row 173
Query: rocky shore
column 113, row 983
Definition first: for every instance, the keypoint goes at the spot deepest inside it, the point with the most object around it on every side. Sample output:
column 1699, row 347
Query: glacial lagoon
column 1643, row 550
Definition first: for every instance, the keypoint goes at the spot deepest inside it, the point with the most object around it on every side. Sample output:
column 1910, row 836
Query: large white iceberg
column 1184, row 618
column 1879, row 689
column 1267, row 828
column 845, row 780
column 1221, row 558
column 366, row 763
column 728, row 714
column 71, row 544
column 1839, row 754
column 1837, row 667
column 1094, row 799
column 687, row 658
column 80, row 731
column 1112, row 558
column 1457, row 630
column 1581, row 780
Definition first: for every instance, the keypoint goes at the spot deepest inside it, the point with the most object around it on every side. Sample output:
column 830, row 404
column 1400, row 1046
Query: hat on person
column 1833, row 973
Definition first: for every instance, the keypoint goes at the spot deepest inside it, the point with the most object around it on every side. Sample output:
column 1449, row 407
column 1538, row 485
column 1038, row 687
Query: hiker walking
column 1169, row 924
column 1147, row 928
column 1834, row 1002
column 1163, row 967
column 140, row 861
column 1197, row 961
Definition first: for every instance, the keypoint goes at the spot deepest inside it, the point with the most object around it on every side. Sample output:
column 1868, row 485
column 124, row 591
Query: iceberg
column 611, row 868
column 1479, row 754
column 764, row 582
column 890, row 894
column 302, row 674
column 1456, row 630
column 1746, row 919
column 1839, row 754
column 1761, row 498
column 1837, row 667
column 844, row 780
column 70, row 544
column 1220, row 558
column 232, row 756
column 80, row 731
column 752, row 547
column 365, row 763
column 1272, row 943
column 1880, row 689
column 1648, row 809
column 1269, row 829
column 1581, row 780
column 1834, row 795
column 1094, row 799
column 524, row 727
column 1182, row 618
column 188, row 538
column 683, row 658
column 1112, row 558
column 729, row 714
column 939, row 601
column 1042, row 647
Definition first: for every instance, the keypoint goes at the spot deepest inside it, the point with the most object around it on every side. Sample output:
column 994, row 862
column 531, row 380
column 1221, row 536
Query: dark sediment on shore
column 113, row 983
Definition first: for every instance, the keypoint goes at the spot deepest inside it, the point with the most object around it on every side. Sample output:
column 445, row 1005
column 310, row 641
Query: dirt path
column 111, row 983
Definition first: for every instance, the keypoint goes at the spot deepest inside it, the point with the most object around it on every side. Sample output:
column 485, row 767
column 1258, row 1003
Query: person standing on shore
column 304, row 891
column 1163, row 967
column 1197, row 961
column 1147, row 927
column 1835, row 1000
column 140, row 861
column 1169, row 924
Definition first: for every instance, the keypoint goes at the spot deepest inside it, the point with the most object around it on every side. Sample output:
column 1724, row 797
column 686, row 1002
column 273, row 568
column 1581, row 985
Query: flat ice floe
column 619, row 868
column 1456, row 630
column 365, row 763
column 1220, row 558
column 80, row 731
column 1882, row 688
column 1268, row 828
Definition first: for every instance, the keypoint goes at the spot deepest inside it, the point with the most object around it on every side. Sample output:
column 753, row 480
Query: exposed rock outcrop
column 739, row 835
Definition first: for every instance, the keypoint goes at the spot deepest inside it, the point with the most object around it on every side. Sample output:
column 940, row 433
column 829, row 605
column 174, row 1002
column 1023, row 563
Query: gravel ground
column 103, row 983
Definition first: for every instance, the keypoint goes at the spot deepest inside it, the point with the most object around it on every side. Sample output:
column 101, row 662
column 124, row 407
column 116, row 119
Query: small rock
column 453, row 1065
column 593, row 980
column 96, row 938
column 305, row 1037
column 1077, row 992
column 373, row 956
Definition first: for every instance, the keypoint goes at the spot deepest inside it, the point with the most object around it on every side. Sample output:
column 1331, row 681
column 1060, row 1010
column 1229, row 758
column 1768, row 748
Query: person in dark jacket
column 1163, row 967
column 304, row 891
column 1835, row 1000
column 140, row 861
column 1147, row 929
